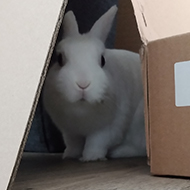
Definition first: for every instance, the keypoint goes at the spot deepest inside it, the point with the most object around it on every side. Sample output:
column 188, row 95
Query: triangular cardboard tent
column 165, row 32
column 27, row 37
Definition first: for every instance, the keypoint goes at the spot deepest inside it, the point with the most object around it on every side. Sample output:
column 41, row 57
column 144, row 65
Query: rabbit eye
column 103, row 61
column 60, row 60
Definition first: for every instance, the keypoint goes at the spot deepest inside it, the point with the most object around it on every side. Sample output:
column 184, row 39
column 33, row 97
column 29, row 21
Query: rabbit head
column 81, row 62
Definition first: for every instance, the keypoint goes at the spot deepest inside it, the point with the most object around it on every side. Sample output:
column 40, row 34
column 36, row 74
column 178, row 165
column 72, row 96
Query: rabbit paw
column 71, row 154
column 82, row 159
column 93, row 156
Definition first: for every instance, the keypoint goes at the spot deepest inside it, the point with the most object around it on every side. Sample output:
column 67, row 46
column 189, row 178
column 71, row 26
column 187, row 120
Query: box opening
column 133, row 44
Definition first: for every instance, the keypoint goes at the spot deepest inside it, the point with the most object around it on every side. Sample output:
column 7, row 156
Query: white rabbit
column 94, row 95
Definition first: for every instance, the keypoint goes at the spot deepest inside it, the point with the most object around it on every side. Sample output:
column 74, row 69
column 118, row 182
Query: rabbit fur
column 94, row 95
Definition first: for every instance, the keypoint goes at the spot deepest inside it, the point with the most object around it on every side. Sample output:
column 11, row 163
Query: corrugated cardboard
column 26, row 34
column 165, row 33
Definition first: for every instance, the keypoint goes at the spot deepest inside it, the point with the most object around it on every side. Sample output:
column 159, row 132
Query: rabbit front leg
column 96, row 146
column 74, row 146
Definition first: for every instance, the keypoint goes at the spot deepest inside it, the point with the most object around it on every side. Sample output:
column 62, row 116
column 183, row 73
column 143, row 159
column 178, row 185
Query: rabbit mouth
column 82, row 99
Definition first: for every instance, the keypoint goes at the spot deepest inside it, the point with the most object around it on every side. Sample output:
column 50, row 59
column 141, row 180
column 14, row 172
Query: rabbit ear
column 70, row 26
column 103, row 25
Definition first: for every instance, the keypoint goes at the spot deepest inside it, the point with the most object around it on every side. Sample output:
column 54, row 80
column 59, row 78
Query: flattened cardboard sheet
column 26, row 29
column 161, row 19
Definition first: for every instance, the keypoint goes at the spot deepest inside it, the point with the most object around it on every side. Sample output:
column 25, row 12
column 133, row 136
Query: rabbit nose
column 83, row 86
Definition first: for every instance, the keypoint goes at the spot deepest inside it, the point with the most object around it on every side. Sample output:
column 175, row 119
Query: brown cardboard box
column 165, row 32
column 26, row 43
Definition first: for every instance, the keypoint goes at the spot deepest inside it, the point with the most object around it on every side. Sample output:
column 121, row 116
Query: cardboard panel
column 169, row 124
column 144, row 59
column 127, row 34
column 161, row 19
column 26, row 32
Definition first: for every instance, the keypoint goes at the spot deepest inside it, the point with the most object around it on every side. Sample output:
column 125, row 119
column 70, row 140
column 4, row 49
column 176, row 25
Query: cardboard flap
column 26, row 29
column 161, row 19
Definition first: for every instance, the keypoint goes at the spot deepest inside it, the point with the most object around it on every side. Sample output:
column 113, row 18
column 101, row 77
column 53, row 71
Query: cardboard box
column 165, row 32
column 28, row 34
column 27, row 43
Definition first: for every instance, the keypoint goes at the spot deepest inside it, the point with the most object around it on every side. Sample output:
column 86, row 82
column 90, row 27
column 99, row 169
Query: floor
column 49, row 172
